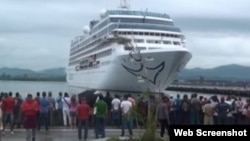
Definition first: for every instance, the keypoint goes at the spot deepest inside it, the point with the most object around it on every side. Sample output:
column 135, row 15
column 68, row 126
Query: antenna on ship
column 124, row 4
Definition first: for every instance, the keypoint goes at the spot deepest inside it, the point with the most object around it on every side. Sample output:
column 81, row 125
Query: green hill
column 226, row 72
column 53, row 74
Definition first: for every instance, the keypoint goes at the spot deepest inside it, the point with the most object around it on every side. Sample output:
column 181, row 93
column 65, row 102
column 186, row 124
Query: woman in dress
column 72, row 109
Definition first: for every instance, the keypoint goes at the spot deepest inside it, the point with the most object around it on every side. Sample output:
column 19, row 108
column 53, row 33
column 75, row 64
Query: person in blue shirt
column 177, row 109
column 43, row 111
column 223, row 108
column 59, row 109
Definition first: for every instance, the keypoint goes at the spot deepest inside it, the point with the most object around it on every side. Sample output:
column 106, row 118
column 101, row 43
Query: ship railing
column 137, row 13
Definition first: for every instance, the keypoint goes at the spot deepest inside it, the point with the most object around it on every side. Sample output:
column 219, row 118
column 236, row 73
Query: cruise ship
column 127, row 51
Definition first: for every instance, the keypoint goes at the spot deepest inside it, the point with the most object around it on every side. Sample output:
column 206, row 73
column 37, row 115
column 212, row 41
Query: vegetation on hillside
column 55, row 74
column 32, row 78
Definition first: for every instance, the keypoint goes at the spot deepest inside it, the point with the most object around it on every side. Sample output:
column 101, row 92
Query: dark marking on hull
column 134, row 72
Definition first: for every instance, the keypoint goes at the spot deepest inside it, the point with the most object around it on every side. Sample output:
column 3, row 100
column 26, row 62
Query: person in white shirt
column 239, row 111
column 66, row 106
column 116, row 103
column 214, row 102
column 126, row 107
column 116, row 110
column 230, row 102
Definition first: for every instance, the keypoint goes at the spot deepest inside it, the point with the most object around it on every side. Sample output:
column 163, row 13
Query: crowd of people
column 73, row 111
column 209, row 111
column 32, row 113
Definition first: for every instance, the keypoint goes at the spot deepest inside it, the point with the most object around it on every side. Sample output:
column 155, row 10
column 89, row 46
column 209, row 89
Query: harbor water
column 25, row 87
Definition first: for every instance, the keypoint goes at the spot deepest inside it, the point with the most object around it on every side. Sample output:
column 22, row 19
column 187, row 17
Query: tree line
column 26, row 77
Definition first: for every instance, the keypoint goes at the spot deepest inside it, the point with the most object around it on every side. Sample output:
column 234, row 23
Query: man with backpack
column 66, row 106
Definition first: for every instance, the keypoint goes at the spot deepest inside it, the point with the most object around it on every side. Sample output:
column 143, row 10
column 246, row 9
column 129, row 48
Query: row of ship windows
column 89, row 41
column 85, row 47
column 141, row 20
column 149, row 34
column 164, row 42
column 98, row 55
column 91, row 65
column 156, row 41
column 150, row 48
column 104, row 23
column 145, row 48
column 148, row 27
column 99, row 47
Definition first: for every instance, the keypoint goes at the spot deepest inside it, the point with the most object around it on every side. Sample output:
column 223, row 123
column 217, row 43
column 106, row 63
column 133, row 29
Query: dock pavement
column 60, row 134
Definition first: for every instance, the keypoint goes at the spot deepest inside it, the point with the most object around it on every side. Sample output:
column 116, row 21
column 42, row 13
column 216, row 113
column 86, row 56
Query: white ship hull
column 124, row 74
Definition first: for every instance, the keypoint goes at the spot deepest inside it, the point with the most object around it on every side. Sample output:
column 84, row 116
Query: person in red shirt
column 29, row 110
column 83, row 112
column 8, row 115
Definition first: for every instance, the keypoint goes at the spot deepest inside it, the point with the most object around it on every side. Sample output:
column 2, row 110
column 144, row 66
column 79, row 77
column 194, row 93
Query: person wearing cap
column 29, row 110
column 83, row 112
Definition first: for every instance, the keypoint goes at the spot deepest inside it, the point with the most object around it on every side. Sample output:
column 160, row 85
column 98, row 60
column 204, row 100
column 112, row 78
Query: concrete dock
column 61, row 134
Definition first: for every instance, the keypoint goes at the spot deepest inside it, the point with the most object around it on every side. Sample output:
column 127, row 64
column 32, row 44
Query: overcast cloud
column 36, row 34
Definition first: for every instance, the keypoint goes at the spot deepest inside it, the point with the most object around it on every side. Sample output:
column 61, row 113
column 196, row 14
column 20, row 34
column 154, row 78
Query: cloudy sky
column 36, row 34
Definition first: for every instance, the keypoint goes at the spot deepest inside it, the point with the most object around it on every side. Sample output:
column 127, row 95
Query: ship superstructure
column 127, row 50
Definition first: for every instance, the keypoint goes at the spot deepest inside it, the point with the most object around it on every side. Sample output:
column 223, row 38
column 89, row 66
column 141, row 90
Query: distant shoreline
column 38, row 79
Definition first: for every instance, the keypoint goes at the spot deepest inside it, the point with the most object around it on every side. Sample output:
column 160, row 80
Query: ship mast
column 124, row 4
